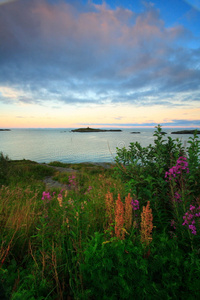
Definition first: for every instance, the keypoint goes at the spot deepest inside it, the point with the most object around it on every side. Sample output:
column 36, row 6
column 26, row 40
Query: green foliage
column 143, row 170
column 194, row 164
column 152, row 161
column 113, row 270
column 28, row 170
column 120, row 270
column 4, row 160
column 23, row 283
column 194, row 152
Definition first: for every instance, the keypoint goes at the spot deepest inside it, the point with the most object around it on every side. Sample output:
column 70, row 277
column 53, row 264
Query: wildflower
column 177, row 197
column 72, row 181
column 173, row 224
column 119, row 218
column 192, row 207
column 135, row 204
column 128, row 212
column 46, row 196
column 60, row 199
column 109, row 207
column 146, row 224
column 193, row 228
column 181, row 164
column 190, row 219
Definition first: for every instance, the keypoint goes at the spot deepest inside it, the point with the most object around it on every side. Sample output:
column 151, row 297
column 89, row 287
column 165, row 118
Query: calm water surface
column 46, row 145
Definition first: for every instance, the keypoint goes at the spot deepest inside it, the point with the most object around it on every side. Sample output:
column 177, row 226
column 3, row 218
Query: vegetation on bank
column 128, row 232
column 88, row 129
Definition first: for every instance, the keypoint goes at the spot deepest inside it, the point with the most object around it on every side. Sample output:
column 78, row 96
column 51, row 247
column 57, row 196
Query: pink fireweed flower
column 177, row 197
column 190, row 218
column 174, row 171
column 46, row 196
column 192, row 207
column 173, row 224
column 135, row 204
column 193, row 228
column 72, row 180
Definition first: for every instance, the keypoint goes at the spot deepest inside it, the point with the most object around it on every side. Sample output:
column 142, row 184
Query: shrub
column 3, row 168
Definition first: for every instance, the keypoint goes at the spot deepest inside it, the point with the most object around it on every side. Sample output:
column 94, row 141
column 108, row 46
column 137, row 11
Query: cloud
column 75, row 54
column 172, row 123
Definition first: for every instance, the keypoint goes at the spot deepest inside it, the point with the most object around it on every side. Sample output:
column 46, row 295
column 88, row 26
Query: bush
column 3, row 168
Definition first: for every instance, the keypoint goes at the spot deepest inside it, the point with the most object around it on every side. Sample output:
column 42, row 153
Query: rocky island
column 4, row 129
column 88, row 129
column 135, row 132
column 186, row 132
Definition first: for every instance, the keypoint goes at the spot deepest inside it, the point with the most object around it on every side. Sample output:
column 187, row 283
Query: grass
column 116, row 233
column 34, row 231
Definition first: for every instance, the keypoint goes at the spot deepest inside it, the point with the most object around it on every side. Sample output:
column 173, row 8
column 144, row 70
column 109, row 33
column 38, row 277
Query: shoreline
column 105, row 165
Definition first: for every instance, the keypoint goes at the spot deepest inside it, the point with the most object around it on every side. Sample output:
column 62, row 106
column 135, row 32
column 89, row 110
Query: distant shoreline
column 5, row 130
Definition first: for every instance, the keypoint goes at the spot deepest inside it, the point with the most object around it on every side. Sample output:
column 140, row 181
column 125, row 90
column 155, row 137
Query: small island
column 4, row 129
column 88, row 129
column 186, row 132
column 135, row 132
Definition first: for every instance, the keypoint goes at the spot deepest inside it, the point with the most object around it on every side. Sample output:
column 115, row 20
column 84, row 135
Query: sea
column 61, row 144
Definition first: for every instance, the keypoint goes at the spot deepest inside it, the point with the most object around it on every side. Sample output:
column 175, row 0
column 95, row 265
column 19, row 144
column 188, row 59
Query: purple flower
column 72, row 180
column 46, row 196
column 193, row 228
column 181, row 164
column 173, row 224
column 177, row 197
column 135, row 204
column 190, row 219
column 192, row 207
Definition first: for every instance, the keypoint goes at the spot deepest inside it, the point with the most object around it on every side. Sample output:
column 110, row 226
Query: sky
column 123, row 63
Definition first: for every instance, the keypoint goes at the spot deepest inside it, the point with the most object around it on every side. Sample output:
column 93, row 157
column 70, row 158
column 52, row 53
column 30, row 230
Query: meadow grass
column 127, row 232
